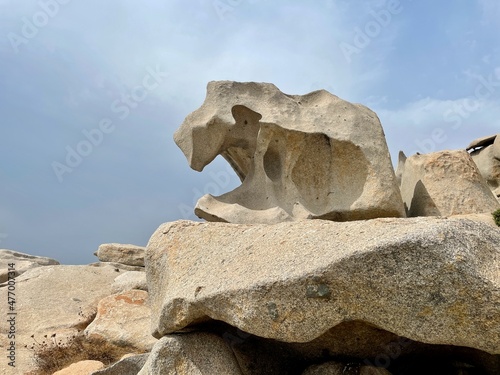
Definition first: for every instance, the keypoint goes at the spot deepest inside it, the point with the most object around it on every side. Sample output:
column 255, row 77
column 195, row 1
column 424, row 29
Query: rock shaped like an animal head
column 309, row 156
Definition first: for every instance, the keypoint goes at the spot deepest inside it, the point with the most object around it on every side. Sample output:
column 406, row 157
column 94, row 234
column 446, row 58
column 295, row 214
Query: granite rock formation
column 298, row 156
column 486, row 154
column 443, row 183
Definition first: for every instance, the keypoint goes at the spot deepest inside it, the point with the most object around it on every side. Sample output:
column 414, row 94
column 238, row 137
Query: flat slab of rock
column 123, row 320
column 298, row 156
column 130, row 255
column 24, row 262
column 444, row 183
column 432, row 280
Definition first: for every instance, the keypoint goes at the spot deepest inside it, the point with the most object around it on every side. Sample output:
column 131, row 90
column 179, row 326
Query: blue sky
column 92, row 91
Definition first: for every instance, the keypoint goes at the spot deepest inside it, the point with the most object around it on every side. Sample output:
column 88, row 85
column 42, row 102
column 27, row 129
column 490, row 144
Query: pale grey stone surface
column 124, row 319
column 432, row 280
column 444, row 183
column 81, row 368
column 130, row 255
column 298, row 156
column 59, row 300
column 23, row 262
column 130, row 280
column 191, row 354
column 486, row 154
column 131, row 365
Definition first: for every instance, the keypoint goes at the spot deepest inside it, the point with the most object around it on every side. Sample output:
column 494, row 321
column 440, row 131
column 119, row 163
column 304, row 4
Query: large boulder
column 23, row 262
column 53, row 303
column 432, row 280
column 486, row 154
column 444, row 183
column 298, row 156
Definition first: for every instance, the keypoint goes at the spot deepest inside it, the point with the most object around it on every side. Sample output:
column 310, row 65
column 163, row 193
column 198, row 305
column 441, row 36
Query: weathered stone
column 131, row 280
column 51, row 300
column 130, row 365
column 192, row 353
column 432, row 280
column 130, row 255
column 309, row 156
column 23, row 262
column 81, row 368
column 124, row 320
column 486, row 218
column 486, row 154
column 444, row 183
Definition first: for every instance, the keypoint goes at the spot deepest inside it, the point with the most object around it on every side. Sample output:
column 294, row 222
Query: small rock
column 130, row 255
column 81, row 368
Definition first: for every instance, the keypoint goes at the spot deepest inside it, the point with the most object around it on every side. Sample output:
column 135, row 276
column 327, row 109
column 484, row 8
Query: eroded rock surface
column 486, row 154
column 432, row 280
column 60, row 300
column 130, row 255
column 23, row 262
column 298, row 156
column 443, row 183
column 123, row 319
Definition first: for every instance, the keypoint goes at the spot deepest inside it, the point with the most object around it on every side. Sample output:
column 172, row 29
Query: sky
column 91, row 93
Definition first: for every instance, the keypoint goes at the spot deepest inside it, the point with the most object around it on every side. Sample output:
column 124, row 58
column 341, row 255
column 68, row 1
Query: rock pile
column 268, row 296
column 95, row 303
column 399, row 273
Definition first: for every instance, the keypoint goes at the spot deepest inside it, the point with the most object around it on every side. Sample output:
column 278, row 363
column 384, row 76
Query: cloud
column 490, row 10
column 429, row 124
